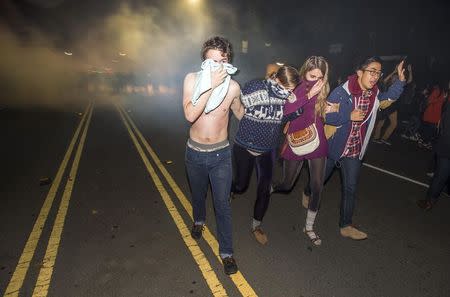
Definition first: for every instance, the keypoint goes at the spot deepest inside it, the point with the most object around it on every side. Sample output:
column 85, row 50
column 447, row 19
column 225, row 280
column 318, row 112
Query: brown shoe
column 305, row 200
column 353, row 233
column 425, row 204
column 260, row 236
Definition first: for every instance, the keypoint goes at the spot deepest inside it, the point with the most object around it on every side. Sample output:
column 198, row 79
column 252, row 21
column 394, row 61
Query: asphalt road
column 118, row 224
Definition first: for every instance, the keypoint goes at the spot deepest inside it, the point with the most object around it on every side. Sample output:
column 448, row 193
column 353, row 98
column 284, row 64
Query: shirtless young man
column 208, row 153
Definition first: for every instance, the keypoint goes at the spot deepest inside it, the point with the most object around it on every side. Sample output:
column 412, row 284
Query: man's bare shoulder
column 190, row 76
column 234, row 88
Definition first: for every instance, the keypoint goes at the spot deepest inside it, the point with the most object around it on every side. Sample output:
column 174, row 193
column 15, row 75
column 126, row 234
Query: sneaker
column 196, row 231
column 260, row 236
column 229, row 265
column 403, row 135
column 305, row 200
column 425, row 204
column 385, row 142
column 353, row 233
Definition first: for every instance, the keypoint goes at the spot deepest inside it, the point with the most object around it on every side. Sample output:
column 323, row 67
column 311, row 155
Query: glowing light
column 244, row 46
column 279, row 63
column 68, row 53
column 122, row 54
column 193, row 2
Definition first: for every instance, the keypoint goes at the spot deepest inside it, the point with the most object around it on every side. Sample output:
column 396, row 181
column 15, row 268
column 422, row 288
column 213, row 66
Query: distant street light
column 193, row 2
column 122, row 54
column 67, row 53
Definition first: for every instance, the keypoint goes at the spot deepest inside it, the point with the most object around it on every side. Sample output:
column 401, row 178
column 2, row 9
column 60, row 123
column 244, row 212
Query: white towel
column 203, row 84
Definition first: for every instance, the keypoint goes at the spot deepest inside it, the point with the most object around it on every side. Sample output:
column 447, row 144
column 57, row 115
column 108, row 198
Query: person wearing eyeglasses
column 257, row 138
column 359, row 99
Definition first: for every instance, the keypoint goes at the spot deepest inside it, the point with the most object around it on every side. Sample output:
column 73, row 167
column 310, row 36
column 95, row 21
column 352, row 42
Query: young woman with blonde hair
column 311, row 95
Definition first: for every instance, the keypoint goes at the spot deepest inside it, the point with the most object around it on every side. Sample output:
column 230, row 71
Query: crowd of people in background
column 419, row 111
column 292, row 115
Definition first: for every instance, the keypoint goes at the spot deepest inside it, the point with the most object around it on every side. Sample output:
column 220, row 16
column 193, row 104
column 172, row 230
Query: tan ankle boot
column 260, row 236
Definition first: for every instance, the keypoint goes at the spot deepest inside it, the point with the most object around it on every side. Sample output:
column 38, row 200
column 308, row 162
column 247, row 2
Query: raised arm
column 191, row 112
column 396, row 89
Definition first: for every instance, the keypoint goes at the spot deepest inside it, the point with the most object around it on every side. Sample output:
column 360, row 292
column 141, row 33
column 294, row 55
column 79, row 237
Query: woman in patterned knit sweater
column 311, row 95
column 257, row 137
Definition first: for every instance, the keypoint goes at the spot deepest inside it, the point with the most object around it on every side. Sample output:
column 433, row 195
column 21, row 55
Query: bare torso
column 213, row 127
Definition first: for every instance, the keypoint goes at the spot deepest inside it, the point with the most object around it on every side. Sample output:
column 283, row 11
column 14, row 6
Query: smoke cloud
column 153, row 44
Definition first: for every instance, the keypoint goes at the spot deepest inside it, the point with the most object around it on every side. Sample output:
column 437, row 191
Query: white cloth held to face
column 203, row 84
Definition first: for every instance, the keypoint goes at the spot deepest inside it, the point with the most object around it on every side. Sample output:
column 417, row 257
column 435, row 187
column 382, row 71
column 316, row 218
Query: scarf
column 357, row 92
column 278, row 90
column 363, row 100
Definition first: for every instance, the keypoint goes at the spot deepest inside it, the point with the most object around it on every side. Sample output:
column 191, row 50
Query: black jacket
column 443, row 142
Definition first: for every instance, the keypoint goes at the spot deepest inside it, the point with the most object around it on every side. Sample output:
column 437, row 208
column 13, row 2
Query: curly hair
column 217, row 43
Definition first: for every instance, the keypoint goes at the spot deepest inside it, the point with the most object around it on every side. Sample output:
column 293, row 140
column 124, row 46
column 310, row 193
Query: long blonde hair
column 318, row 62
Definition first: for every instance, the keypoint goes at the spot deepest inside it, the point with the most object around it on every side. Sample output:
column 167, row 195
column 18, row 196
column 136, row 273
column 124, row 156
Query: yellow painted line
column 208, row 273
column 16, row 282
column 46, row 271
column 238, row 279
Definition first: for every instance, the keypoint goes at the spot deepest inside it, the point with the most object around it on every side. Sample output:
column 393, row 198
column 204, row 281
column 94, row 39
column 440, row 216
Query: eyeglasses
column 374, row 73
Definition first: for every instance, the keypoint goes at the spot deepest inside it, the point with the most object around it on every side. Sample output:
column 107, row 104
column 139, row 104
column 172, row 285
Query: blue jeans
column 215, row 168
column 350, row 168
column 440, row 178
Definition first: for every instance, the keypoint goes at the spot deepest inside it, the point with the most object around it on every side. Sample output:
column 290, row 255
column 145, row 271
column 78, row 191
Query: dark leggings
column 291, row 170
column 244, row 163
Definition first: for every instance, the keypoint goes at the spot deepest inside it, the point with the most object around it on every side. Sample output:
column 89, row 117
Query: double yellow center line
column 211, row 278
column 42, row 285
column 45, row 273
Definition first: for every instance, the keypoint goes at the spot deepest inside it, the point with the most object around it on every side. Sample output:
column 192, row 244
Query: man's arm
column 236, row 106
column 396, row 89
column 343, row 115
column 191, row 112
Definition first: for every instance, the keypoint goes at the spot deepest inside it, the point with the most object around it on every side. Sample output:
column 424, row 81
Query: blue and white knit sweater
column 260, row 127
